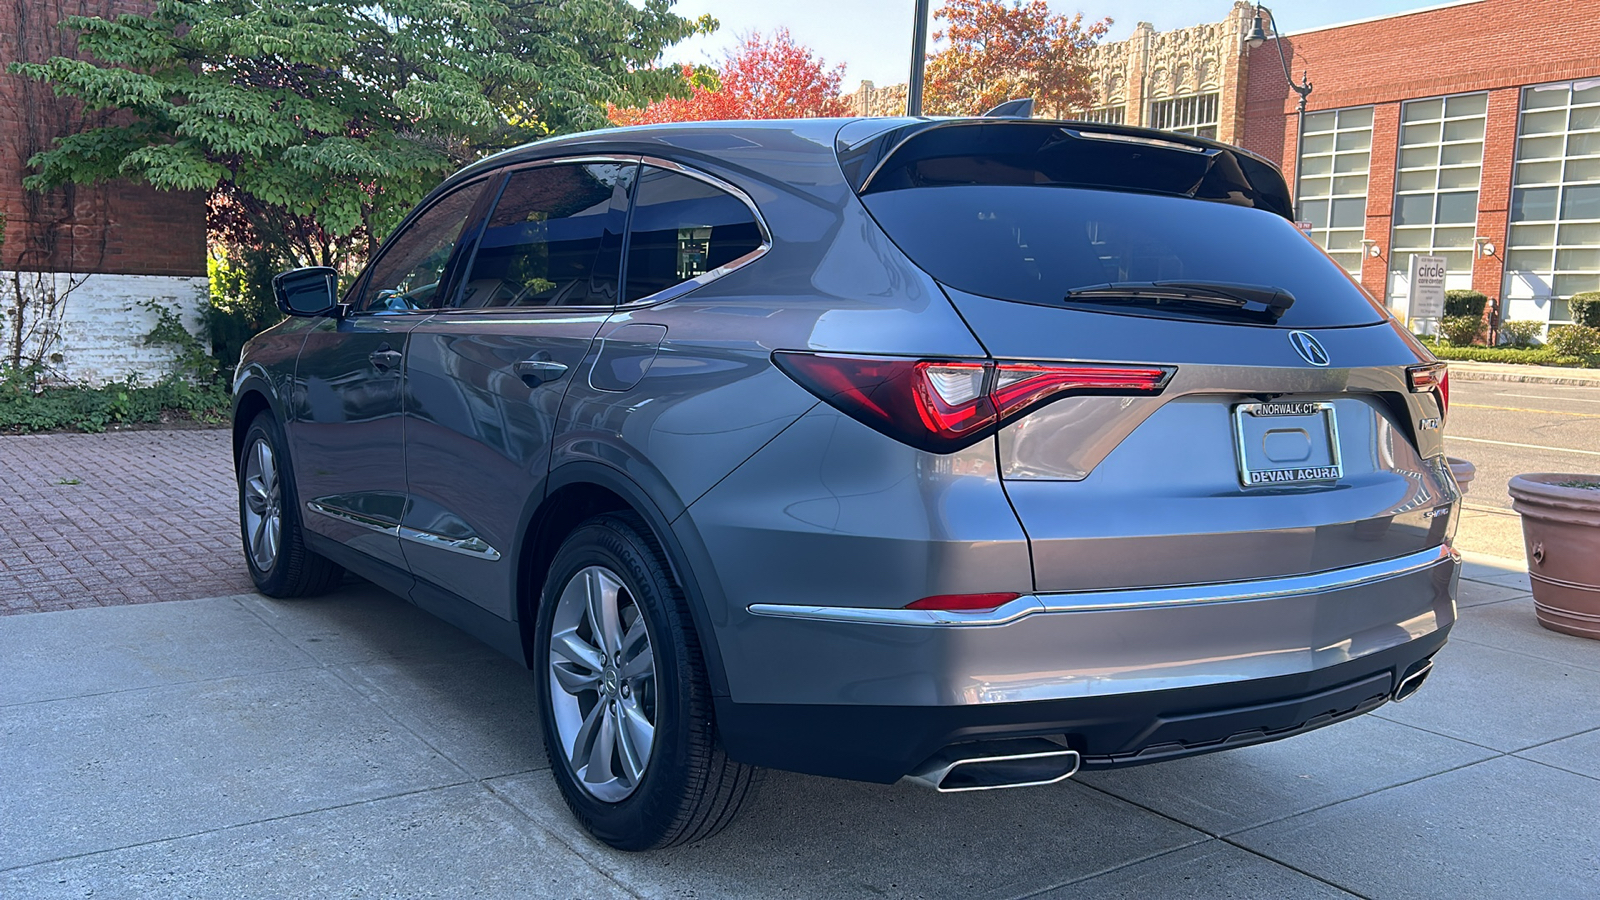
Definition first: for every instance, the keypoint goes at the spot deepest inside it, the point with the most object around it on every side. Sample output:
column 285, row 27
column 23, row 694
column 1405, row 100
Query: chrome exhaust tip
column 1409, row 684
column 991, row 765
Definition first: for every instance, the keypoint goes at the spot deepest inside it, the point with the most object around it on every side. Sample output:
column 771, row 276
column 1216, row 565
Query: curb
column 1493, row 372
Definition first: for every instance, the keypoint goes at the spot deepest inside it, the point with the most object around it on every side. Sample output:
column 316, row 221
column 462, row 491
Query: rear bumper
column 1125, row 677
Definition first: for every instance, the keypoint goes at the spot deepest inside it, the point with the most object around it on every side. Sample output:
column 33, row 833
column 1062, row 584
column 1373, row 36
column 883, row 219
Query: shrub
column 1521, row 333
column 1537, row 356
column 241, row 303
column 1464, row 303
column 1574, row 340
column 190, row 391
column 1586, row 308
column 1461, row 330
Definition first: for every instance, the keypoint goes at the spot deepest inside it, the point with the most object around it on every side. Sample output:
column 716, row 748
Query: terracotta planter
column 1463, row 472
column 1561, row 532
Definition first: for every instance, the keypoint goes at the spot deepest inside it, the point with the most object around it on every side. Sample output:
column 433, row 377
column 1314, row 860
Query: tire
column 280, row 563
column 686, row 789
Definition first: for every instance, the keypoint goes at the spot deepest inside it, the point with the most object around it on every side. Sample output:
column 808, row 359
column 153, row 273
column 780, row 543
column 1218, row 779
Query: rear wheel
column 269, row 520
column 626, row 705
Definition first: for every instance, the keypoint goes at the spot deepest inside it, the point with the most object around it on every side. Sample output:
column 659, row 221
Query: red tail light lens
column 963, row 602
column 1431, row 377
column 944, row 405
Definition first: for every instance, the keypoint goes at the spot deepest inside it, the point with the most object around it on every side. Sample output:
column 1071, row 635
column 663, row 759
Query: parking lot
column 228, row 745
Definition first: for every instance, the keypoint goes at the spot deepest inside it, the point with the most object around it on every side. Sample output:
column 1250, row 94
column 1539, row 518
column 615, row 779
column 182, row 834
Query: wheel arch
column 250, row 398
column 580, row 490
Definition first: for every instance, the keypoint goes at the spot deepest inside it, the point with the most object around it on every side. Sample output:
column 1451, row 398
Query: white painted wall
column 104, row 322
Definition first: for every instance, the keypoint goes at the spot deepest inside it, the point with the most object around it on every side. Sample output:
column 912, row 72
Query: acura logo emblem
column 1309, row 349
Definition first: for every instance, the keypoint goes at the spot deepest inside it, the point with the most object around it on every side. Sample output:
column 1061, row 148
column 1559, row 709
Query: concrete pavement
column 353, row 746
column 1506, row 428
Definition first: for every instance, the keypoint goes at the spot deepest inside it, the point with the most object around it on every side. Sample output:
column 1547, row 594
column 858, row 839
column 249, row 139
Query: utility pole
column 919, row 57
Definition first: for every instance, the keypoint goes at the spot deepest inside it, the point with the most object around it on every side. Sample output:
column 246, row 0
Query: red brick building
column 1469, row 130
column 77, row 263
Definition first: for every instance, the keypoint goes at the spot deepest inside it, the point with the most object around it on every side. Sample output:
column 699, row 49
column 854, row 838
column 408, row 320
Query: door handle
column 537, row 371
column 385, row 358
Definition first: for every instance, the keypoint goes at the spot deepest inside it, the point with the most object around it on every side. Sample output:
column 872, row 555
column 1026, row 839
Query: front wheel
column 269, row 521
column 627, row 706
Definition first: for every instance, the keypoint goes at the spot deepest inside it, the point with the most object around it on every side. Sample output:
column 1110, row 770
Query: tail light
column 1433, row 377
column 944, row 405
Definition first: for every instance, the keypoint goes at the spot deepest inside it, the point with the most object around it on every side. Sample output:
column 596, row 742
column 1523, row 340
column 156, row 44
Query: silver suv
column 969, row 451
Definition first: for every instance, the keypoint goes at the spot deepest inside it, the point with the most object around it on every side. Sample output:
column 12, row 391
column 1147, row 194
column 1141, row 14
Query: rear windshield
column 1035, row 244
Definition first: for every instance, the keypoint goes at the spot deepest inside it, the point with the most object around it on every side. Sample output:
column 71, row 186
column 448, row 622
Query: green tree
column 316, row 124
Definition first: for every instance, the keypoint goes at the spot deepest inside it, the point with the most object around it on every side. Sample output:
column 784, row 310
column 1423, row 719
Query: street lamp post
column 1257, row 37
column 919, row 56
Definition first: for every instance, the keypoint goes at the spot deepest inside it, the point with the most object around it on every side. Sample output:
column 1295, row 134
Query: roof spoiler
column 1020, row 108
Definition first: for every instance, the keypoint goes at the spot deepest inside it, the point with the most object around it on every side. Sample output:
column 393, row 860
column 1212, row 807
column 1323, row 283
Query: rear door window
column 554, row 238
column 684, row 229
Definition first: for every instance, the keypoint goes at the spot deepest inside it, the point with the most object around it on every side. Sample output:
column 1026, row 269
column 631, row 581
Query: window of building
column 1436, row 183
column 1195, row 115
column 683, row 228
column 1106, row 115
column 554, row 239
column 1554, row 247
column 1335, row 153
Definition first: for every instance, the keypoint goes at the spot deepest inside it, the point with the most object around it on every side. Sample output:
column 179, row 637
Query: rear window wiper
column 1273, row 302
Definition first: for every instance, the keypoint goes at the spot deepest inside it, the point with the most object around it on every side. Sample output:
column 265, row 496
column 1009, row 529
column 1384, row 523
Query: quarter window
column 684, row 228
column 407, row 272
column 554, row 239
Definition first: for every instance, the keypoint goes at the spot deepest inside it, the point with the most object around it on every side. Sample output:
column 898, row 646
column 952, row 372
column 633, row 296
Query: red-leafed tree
column 1000, row 51
column 762, row 78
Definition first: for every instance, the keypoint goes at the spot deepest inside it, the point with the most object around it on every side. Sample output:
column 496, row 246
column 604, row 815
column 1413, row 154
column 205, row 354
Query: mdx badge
column 1308, row 347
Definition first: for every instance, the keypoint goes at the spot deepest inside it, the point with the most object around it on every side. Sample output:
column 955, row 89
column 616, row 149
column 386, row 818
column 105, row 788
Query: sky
column 873, row 37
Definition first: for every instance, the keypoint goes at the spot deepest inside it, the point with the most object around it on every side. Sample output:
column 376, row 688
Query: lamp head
column 1257, row 35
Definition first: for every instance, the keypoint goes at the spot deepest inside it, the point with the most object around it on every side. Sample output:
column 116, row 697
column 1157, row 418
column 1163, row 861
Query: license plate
column 1286, row 442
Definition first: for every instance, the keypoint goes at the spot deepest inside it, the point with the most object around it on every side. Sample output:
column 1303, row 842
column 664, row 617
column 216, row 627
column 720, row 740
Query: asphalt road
column 1505, row 428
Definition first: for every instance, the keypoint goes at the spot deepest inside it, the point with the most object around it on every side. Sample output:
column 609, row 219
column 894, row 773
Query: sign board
column 1427, row 287
column 1304, row 226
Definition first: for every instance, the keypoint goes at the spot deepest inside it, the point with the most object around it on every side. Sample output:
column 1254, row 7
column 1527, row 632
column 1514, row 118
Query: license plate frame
column 1316, row 417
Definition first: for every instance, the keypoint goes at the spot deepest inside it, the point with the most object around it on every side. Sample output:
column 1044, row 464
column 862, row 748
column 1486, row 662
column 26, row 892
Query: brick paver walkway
column 150, row 517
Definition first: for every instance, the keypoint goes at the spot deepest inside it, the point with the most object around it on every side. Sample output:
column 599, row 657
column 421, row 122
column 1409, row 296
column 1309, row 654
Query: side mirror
column 312, row 291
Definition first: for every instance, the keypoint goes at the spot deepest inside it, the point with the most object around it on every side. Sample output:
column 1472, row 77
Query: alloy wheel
column 602, row 684
column 263, row 505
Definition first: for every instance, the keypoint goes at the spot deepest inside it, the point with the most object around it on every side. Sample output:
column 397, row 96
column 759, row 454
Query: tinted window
column 1034, row 244
column 554, row 239
column 407, row 272
column 683, row 228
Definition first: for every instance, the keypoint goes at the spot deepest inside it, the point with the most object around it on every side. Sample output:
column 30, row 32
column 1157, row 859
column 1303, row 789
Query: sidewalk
column 1477, row 371
column 353, row 746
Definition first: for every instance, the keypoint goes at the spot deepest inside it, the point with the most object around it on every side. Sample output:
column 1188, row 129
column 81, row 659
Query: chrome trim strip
column 470, row 546
column 1139, row 598
column 353, row 518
